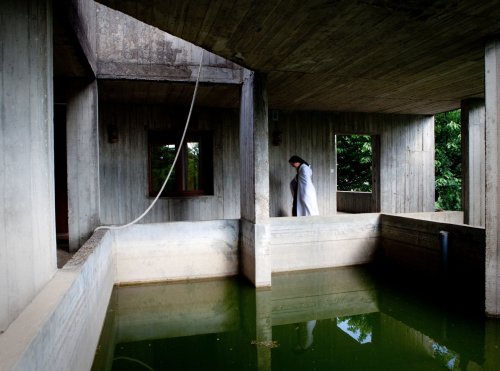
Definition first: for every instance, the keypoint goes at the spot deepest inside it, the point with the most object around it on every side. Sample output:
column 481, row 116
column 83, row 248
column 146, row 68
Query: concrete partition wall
column 27, row 218
column 404, row 145
column 414, row 244
column 313, row 242
column 176, row 251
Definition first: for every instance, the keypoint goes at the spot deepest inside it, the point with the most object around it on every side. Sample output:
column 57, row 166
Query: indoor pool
column 335, row 319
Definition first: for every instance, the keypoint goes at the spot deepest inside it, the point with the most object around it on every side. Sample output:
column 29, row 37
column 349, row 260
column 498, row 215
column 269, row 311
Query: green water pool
column 336, row 319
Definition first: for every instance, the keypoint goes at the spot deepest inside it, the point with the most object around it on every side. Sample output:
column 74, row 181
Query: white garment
column 307, row 203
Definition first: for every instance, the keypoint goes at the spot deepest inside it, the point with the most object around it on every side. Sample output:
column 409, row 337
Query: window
column 354, row 163
column 193, row 172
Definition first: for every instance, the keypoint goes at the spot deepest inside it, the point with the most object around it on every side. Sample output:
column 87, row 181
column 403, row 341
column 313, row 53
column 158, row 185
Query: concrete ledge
column 176, row 251
column 453, row 217
column 60, row 329
column 320, row 242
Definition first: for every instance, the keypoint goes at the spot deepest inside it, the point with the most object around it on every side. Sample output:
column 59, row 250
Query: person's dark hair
column 296, row 158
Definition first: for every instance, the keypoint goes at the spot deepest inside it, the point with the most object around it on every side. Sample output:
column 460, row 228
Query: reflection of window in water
column 358, row 327
column 446, row 357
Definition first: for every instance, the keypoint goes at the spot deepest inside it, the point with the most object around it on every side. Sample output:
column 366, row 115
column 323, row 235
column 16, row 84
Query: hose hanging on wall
column 173, row 163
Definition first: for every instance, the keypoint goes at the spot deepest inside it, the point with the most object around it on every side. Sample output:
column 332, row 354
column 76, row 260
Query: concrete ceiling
column 342, row 55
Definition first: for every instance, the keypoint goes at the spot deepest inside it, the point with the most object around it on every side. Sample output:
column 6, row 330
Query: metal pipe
column 443, row 244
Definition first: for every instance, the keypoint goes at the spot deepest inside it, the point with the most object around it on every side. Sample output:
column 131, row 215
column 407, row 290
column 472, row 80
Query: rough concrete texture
column 176, row 251
column 27, row 217
column 83, row 164
column 317, row 242
column 129, row 48
column 255, row 254
column 492, row 104
column 60, row 328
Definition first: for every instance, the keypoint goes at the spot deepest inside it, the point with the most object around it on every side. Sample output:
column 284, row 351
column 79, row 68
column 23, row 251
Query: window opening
column 448, row 160
column 193, row 173
column 354, row 163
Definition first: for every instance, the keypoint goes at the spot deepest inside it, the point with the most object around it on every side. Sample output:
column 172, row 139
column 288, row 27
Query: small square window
column 193, row 172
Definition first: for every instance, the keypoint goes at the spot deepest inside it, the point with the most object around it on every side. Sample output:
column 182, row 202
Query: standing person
column 303, row 191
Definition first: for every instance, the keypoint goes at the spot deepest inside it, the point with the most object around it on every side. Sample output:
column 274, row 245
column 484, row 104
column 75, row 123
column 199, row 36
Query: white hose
column 173, row 163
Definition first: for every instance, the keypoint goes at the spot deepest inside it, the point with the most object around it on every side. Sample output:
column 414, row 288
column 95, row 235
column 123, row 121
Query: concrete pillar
column 27, row 216
column 254, row 180
column 492, row 100
column 473, row 161
column 83, row 163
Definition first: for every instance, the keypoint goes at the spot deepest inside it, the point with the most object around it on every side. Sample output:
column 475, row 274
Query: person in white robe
column 303, row 192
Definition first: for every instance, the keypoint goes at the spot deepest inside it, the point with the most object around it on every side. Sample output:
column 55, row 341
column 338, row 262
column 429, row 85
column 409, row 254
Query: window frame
column 205, row 171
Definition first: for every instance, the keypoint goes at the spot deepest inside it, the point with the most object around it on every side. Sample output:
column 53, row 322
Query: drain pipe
column 443, row 244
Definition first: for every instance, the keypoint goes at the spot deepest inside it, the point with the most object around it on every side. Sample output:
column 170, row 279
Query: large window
column 193, row 172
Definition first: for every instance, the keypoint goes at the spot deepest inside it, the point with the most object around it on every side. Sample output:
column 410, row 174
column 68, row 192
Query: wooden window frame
column 205, row 140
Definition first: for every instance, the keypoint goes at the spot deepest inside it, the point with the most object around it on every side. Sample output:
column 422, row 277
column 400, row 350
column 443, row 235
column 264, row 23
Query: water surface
column 335, row 319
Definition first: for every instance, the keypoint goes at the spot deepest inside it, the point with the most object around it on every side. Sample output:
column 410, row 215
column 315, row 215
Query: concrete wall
column 128, row 48
column 406, row 169
column 319, row 242
column 60, row 328
column 414, row 244
column 124, row 165
column 354, row 202
column 27, row 220
column 176, row 251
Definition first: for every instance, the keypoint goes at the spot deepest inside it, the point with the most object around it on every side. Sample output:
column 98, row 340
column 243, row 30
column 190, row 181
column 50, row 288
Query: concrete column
column 473, row 161
column 492, row 100
column 27, row 216
column 254, row 181
column 83, row 163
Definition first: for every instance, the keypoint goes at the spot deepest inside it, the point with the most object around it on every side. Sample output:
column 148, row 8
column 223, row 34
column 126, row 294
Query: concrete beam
column 130, row 49
column 161, row 72
column 492, row 101
column 473, row 161
column 83, row 163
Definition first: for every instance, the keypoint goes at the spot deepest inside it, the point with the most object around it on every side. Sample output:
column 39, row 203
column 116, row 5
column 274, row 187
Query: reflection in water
column 305, row 335
column 358, row 327
column 342, row 319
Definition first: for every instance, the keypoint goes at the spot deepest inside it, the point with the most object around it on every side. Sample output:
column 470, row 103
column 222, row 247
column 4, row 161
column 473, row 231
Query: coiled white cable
column 173, row 163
